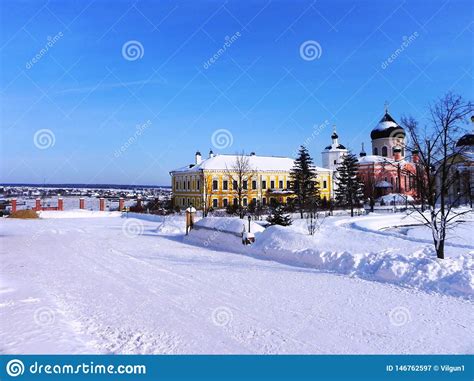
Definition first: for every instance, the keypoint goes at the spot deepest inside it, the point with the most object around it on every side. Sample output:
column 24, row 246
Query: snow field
column 128, row 285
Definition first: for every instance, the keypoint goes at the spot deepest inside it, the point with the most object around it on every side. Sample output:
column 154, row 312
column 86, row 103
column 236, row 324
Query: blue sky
column 71, row 114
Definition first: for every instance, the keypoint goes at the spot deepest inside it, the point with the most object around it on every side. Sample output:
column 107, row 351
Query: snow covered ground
column 130, row 285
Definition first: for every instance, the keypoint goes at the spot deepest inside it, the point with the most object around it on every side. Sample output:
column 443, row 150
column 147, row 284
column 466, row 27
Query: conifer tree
column 349, row 188
column 303, row 175
column 278, row 217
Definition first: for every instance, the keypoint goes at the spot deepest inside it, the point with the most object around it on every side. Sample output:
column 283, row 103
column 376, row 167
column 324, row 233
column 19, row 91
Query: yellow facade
column 214, row 188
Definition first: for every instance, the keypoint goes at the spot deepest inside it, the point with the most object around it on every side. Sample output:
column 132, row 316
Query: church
column 388, row 169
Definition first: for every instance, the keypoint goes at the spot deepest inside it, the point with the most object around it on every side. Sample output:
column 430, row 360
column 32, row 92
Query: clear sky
column 78, row 77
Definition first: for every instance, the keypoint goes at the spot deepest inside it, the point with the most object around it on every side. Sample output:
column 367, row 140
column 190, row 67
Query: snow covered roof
column 383, row 184
column 466, row 141
column 333, row 147
column 373, row 159
column 387, row 127
column 260, row 163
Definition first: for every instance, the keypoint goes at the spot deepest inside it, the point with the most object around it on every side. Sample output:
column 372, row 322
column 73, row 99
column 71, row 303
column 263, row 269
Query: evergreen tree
column 278, row 217
column 349, row 188
column 303, row 177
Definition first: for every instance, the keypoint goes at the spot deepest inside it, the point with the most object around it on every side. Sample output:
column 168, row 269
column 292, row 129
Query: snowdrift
column 167, row 225
column 399, row 198
column 349, row 251
column 230, row 225
column 420, row 269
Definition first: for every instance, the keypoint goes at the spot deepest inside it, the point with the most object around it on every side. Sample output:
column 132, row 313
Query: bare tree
column 314, row 219
column 207, row 192
column 436, row 147
column 241, row 173
column 367, row 178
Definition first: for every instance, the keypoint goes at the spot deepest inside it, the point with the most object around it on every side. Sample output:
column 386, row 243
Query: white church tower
column 332, row 155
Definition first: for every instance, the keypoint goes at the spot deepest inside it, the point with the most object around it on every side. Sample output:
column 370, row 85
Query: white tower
column 332, row 155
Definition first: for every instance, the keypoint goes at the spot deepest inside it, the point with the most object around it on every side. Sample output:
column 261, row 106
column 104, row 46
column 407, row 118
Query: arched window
column 376, row 151
column 384, row 151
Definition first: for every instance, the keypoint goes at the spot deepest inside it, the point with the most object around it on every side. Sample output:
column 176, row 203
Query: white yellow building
column 211, row 181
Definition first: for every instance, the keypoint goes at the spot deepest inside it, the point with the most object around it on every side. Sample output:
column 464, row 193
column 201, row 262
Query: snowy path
column 82, row 285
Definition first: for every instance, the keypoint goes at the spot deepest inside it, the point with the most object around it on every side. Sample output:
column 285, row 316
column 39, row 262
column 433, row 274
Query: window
column 376, row 151
column 264, row 184
column 244, row 201
column 245, row 184
column 280, row 184
column 215, row 184
column 225, row 184
column 189, row 184
column 236, row 202
column 182, row 201
column 325, row 184
column 264, row 201
column 384, row 151
column 254, row 184
column 198, row 184
column 214, row 203
column 335, row 161
column 254, row 201
column 272, row 184
column 224, row 202
column 234, row 185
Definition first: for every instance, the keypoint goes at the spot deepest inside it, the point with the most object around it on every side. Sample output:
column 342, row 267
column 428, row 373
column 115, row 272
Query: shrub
column 29, row 213
column 279, row 218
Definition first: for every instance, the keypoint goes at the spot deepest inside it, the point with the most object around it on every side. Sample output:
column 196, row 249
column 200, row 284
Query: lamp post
column 249, row 218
